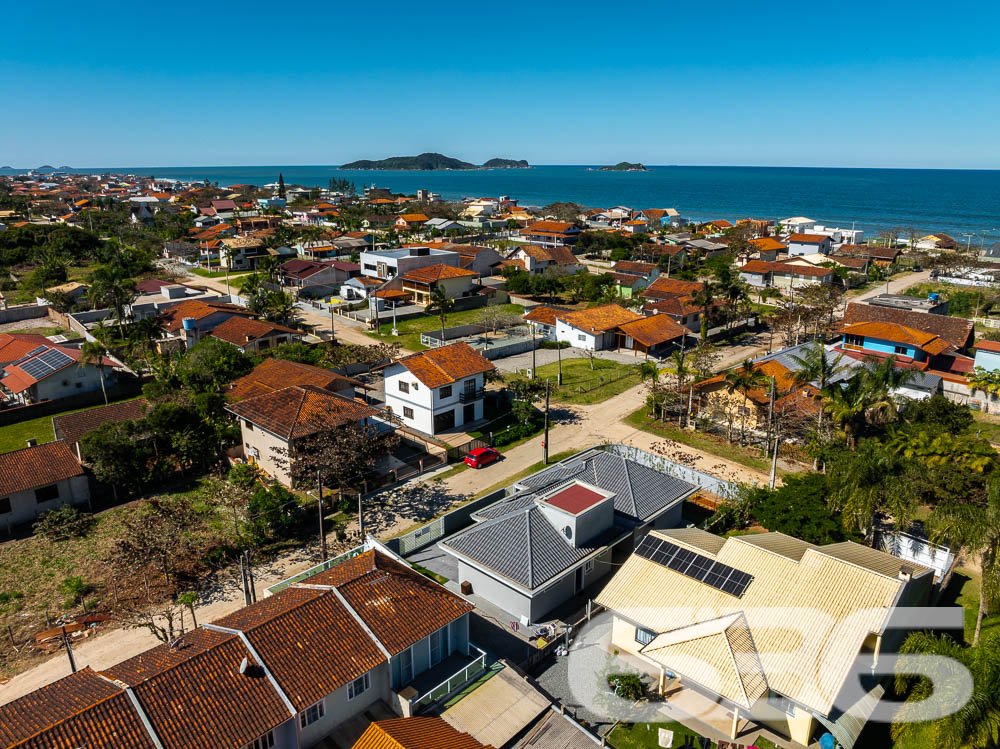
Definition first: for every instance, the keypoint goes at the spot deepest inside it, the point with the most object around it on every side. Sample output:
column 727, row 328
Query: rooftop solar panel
column 696, row 566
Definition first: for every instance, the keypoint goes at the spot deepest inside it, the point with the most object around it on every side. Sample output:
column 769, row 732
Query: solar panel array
column 46, row 363
column 34, row 352
column 696, row 566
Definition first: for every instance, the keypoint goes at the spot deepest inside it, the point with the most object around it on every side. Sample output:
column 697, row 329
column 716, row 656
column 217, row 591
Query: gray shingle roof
column 525, row 547
column 640, row 492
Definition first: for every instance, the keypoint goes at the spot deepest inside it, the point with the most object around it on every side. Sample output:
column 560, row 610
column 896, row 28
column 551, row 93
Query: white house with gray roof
column 562, row 529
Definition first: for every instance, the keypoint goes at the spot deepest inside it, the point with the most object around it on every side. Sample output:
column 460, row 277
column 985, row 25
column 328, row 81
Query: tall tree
column 815, row 366
column 871, row 480
column 281, row 185
column 94, row 352
column 743, row 379
column 440, row 305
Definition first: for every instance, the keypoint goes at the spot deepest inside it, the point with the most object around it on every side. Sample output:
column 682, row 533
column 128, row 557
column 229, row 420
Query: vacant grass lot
column 218, row 273
column 410, row 330
column 987, row 426
column 583, row 385
column 14, row 436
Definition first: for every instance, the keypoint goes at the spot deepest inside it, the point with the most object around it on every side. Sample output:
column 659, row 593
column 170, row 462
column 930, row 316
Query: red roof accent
column 575, row 498
column 32, row 467
column 988, row 346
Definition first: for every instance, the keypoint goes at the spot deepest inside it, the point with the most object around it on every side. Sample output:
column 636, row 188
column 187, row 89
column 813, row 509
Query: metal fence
column 457, row 454
column 441, row 526
column 321, row 567
column 454, row 682
column 717, row 486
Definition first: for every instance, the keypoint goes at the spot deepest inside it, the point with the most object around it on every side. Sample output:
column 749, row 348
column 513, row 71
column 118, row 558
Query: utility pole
column 319, row 505
column 770, row 417
column 533, row 351
column 559, row 354
column 333, row 333
column 69, row 648
column 545, row 440
column 774, row 460
column 361, row 518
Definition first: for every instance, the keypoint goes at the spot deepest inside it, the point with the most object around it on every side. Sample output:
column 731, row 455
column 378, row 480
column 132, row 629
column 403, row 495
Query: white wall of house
column 72, row 380
column 580, row 338
column 259, row 446
column 338, row 706
column 417, row 405
column 26, row 506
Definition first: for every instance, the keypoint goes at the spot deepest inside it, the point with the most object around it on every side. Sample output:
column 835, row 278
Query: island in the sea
column 427, row 162
column 624, row 166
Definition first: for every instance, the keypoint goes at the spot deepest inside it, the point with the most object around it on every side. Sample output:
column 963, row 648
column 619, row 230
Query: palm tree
column 971, row 453
column 744, row 378
column 705, row 298
column 882, row 379
column 681, row 371
column 870, row 480
column 976, row 527
column 987, row 382
column 441, row 305
column 815, row 366
column 976, row 723
column 846, row 405
column 93, row 352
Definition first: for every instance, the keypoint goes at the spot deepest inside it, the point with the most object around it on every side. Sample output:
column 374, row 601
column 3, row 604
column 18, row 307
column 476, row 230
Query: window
column 588, row 566
column 644, row 636
column 854, row 340
column 581, row 337
column 4, row 505
column 780, row 702
column 47, row 493
column 311, row 714
column 404, row 387
column 264, row 742
column 248, row 426
column 358, row 687
column 470, row 387
column 445, row 392
column 901, row 350
column 407, row 412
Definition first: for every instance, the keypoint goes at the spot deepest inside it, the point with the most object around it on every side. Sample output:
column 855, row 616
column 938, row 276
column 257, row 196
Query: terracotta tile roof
column 398, row 604
column 414, row 218
column 300, row 410
column 72, row 427
column 433, row 273
column 446, row 364
column 599, row 319
column 850, row 262
column 415, row 733
column 309, row 641
column 302, row 268
column 14, row 346
column 664, row 288
column 161, row 658
column 78, row 710
column 807, row 238
column 243, row 243
column 204, row 700
column 626, row 279
column 631, row 266
column 765, row 244
column 172, row 318
column 549, row 227
column 680, row 306
column 544, row 314
column 654, row 329
column 392, row 294
column 955, row 330
column 888, row 331
column 240, row 331
column 984, row 345
column 275, row 374
column 763, row 266
column 874, row 251
column 31, row 467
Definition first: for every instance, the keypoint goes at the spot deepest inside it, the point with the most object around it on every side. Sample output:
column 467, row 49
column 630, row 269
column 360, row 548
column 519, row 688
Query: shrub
column 63, row 523
column 628, row 686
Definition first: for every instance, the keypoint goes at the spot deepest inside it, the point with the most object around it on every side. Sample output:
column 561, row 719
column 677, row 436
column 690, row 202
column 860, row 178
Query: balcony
column 468, row 396
column 462, row 669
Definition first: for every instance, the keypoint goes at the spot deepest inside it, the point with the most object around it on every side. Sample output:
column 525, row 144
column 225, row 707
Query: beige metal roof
column 778, row 543
column 498, row 710
column 807, row 619
column 718, row 654
column 697, row 540
column 874, row 560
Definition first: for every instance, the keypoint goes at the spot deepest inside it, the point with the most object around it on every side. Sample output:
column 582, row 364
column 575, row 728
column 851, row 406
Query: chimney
column 31, row 442
column 905, row 575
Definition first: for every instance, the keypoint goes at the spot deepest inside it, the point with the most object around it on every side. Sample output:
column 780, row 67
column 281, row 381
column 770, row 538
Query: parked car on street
column 482, row 456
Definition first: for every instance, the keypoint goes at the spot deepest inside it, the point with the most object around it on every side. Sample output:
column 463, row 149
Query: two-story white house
column 808, row 244
column 386, row 264
column 439, row 389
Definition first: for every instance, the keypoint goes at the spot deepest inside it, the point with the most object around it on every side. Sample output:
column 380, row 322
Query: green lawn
column 708, row 443
column 987, row 426
column 219, row 273
column 643, row 735
column 14, row 436
column 410, row 330
column 43, row 330
column 582, row 385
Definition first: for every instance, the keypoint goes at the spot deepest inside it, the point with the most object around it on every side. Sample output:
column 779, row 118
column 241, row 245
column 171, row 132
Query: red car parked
column 481, row 456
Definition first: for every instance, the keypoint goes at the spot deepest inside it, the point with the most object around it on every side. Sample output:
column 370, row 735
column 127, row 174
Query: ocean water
column 951, row 201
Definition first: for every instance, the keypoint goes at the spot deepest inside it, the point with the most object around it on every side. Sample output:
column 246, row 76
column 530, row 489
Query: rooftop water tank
column 188, row 323
column 933, row 296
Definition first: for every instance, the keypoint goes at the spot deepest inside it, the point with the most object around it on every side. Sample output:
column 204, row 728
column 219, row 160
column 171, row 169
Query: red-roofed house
column 551, row 233
column 252, row 336
column 35, row 370
column 38, row 479
column 808, row 244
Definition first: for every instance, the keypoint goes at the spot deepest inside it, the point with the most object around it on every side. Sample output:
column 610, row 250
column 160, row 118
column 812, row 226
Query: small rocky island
column 428, row 162
column 624, row 166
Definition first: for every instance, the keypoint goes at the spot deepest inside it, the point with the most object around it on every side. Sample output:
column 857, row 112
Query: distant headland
column 428, row 162
column 624, row 166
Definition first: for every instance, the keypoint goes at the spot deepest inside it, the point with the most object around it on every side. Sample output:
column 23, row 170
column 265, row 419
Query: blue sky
column 880, row 83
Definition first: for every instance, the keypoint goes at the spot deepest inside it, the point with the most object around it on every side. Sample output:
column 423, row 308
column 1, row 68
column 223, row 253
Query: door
column 578, row 580
column 439, row 645
column 444, row 420
column 469, row 413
